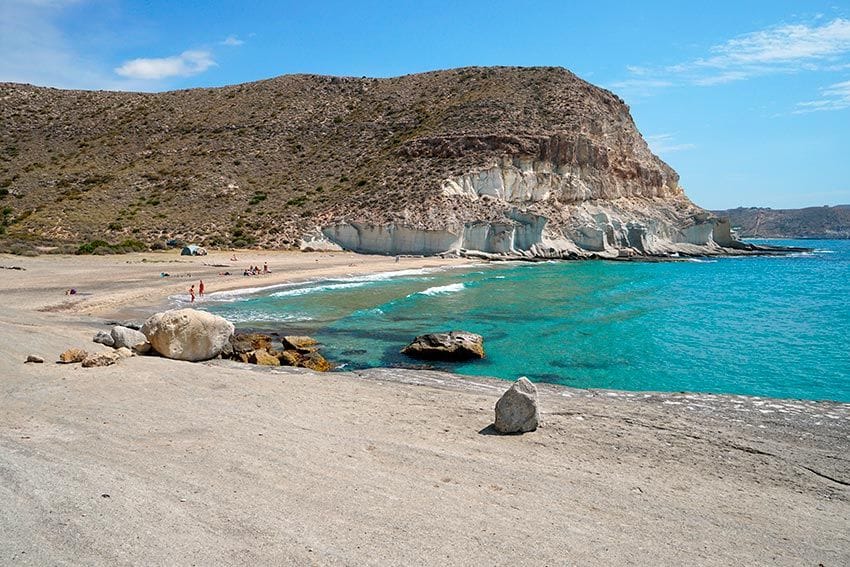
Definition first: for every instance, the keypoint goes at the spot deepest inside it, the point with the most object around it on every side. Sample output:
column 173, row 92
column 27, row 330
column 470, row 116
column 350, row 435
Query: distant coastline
column 810, row 223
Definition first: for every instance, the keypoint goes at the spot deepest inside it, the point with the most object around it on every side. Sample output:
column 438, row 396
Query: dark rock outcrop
column 452, row 346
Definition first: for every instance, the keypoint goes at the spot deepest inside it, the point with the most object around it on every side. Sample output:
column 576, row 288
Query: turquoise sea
column 764, row 326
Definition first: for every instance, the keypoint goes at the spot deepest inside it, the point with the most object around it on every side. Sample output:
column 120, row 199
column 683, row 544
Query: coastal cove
column 764, row 326
column 187, row 463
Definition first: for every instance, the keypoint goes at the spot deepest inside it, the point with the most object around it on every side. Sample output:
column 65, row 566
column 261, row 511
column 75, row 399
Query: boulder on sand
column 453, row 345
column 188, row 334
column 72, row 355
column 104, row 338
column 516, row 410
column 96, row 359
column 129, row 338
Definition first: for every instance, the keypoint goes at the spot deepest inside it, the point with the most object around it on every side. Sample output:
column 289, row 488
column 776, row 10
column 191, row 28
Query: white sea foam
column 243, row 293
column 443, row 289
column 240, row 294
column 317, row 289
column 266, row 317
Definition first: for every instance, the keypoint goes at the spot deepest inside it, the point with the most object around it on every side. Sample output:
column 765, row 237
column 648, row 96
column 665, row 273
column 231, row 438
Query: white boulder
column 188, row 334
column 516, row 410
column 129, row 338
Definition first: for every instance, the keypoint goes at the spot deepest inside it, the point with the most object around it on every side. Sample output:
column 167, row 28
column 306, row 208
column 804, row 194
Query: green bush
column 101, row 247
column 257, row 198
column 90, row 247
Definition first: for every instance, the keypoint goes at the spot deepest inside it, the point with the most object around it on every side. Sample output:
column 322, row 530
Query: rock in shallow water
column 454, row 345
column 302, row 344
column 188, row 334
column 516, row 410
column 263, row 357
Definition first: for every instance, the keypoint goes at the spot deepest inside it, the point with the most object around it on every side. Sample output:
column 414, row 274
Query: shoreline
column 219, row 462
column 142, row 293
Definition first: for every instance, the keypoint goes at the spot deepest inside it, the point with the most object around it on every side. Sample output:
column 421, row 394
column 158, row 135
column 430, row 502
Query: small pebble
column 34, row 358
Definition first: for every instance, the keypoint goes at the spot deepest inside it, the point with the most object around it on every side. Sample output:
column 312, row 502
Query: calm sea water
column 770, row 326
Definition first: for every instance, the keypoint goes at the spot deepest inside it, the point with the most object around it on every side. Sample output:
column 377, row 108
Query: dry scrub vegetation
column 262, row 163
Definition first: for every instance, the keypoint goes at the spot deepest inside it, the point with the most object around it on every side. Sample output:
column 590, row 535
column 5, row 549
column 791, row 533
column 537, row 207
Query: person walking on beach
column 201, row 288
column 192, row 293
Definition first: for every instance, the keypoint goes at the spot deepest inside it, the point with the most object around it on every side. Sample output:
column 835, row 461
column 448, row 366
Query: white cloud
column 186, row 64
column 833, row 97
column 35, row 50
column 666, row 144
column 783, row 44
column 232, row 41
column 787, row 48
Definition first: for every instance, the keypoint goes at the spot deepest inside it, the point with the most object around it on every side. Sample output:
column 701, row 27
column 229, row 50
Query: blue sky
column 748, row 100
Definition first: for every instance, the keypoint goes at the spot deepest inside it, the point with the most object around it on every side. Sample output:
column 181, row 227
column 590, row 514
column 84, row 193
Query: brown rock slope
column 811, row 222
column 530, row 161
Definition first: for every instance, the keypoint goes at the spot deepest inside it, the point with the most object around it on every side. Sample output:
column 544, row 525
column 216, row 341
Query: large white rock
column 188, row 334
column 129, row 338
column 516, row 410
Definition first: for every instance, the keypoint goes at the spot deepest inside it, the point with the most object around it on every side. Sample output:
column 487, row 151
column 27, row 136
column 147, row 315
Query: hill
column 531, row 161
column 811, row 222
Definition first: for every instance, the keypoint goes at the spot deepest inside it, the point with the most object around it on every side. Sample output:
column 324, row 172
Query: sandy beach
column 160, row 462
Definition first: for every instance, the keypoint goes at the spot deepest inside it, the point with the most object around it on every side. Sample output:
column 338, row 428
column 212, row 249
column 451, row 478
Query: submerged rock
column 188, row 334
column 516, row 410
column 454, row 345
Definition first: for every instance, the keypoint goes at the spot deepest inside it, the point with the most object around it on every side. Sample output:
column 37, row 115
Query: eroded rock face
column 188, row 334
column 454, row 345
column 516, row 410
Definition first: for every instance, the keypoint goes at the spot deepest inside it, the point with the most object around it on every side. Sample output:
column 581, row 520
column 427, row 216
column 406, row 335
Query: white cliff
column 545, row 210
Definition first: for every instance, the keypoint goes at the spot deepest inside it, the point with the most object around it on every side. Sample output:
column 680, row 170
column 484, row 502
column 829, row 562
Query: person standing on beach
column 192, row 293
column 201, row 288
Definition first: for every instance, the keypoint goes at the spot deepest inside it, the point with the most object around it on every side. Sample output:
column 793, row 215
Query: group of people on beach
column 192, row 291
column 255, row 270
column 249, row 271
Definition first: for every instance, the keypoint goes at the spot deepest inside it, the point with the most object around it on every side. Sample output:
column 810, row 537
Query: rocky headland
column 494, row 162
column 811, row 222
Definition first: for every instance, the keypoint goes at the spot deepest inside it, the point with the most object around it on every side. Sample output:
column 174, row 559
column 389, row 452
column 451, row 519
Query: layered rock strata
column 499, row 162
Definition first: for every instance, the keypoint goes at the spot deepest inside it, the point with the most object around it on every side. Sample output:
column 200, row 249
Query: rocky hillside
column 811, row 222
column 531, row 161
